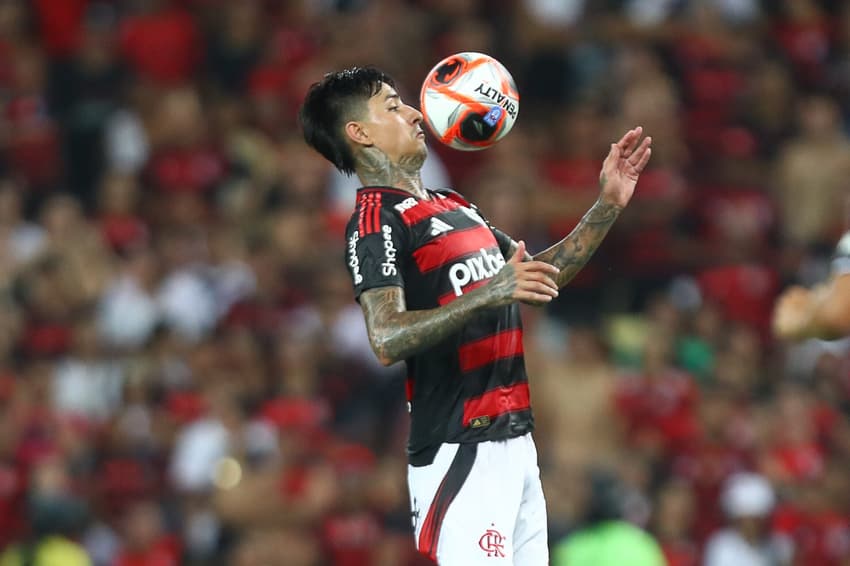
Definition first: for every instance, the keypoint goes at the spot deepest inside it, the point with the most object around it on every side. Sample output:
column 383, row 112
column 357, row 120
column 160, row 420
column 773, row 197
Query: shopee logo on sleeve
column 353, row 261
column 388, row 267
column 477, row 268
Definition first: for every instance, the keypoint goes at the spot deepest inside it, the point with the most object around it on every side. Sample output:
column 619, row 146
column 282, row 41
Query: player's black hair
column 339, row 97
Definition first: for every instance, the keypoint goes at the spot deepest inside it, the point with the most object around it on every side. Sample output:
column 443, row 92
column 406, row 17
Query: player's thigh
column 530, row 532
column 424, row 483
column 473, row 537
column 478, row 527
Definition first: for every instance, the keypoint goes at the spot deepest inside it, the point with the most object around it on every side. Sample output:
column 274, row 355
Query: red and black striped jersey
column 472, row 386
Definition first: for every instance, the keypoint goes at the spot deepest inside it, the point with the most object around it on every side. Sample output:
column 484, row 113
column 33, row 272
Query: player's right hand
column 531, row 282
column 791, row 313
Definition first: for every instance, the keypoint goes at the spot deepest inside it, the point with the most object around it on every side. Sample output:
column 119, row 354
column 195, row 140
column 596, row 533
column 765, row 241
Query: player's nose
column 415, row 115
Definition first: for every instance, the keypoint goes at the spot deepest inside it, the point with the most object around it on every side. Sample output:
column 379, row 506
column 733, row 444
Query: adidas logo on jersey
column 438, row 227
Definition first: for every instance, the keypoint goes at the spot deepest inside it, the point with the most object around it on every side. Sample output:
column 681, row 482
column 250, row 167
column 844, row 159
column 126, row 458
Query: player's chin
column 420, row 151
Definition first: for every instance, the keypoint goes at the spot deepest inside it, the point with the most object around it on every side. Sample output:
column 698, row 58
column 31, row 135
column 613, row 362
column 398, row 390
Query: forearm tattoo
column 573, row 252
column 375, row 168
column 397, row 334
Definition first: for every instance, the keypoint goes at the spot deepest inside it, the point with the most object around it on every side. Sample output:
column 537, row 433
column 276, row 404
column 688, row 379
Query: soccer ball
column 469, row 101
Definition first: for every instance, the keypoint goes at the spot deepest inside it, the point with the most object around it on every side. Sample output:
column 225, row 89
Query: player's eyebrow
column 392, row 96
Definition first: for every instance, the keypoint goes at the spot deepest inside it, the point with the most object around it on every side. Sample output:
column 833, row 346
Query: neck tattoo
column 375, row 168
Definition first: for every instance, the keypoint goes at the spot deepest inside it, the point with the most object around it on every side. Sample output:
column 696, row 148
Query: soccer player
column 439, row 289
column 822, row 311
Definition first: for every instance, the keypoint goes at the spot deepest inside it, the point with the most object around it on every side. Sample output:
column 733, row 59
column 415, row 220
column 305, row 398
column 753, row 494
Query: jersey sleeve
column 505, row 241
column 377, row 248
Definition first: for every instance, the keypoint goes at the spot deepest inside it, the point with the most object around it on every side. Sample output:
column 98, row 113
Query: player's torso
column 453, row 251
column 473, row 385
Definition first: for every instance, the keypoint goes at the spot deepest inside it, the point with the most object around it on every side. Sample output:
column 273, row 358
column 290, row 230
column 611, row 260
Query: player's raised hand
column 523, row 281
column 623, row 166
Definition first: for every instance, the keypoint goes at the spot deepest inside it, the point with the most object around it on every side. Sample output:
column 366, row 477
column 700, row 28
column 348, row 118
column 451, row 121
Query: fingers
column 535, row 280
column 535, row 283
column 633, row 138
column 613, row 154
column 642, row 155
column 628, row 139
column 532, row 297
column 541, row 266
column 540, row 277
column 536, row 300
column 519, row 253
column 537, row 287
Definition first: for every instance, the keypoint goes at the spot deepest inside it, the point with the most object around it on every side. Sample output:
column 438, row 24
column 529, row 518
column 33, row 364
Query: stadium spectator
column 748, row 500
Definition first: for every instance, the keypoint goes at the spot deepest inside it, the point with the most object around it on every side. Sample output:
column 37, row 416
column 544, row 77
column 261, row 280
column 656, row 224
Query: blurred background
column 185, row 378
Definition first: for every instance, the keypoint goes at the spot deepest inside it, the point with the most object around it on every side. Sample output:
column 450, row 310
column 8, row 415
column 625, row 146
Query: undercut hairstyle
column 337, row 99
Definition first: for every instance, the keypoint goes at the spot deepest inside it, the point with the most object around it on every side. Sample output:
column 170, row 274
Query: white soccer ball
column 469, row 101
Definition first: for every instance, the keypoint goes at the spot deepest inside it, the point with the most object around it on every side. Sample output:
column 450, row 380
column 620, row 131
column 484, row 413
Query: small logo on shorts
column 479, row 422
column 493, row 543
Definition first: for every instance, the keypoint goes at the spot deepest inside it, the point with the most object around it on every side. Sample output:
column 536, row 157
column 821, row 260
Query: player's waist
column 425, row 440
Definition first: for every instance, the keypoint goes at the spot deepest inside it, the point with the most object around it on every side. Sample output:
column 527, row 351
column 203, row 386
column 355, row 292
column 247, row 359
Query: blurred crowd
column 185, row 378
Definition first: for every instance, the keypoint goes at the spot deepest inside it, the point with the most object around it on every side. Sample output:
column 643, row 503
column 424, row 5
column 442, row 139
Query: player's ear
column 357, row 133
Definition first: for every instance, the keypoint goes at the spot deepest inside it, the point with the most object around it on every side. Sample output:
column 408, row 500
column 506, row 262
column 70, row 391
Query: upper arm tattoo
column 397, row 334
column 380, row 304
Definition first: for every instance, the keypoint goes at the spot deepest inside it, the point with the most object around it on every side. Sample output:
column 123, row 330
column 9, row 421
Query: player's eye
column 393, row 108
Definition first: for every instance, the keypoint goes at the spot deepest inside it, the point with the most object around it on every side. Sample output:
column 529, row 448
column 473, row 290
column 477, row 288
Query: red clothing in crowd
column 706, row 465
column 123, row 231
column 59, row 24
column 798, row 462
column 806, row 45
column 662, row 405
column 680, row 553
column 12, row 495
column 165, row 552
column 578, row 180
column 164, row 47
column 44, row 338
column 820, row 538
column 352, row 539
column 745, row 292
column 33, row 148
column 191, row 170
column 649, row 249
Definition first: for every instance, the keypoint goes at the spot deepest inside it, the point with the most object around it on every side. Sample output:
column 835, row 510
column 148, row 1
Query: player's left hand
column 623, row 166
